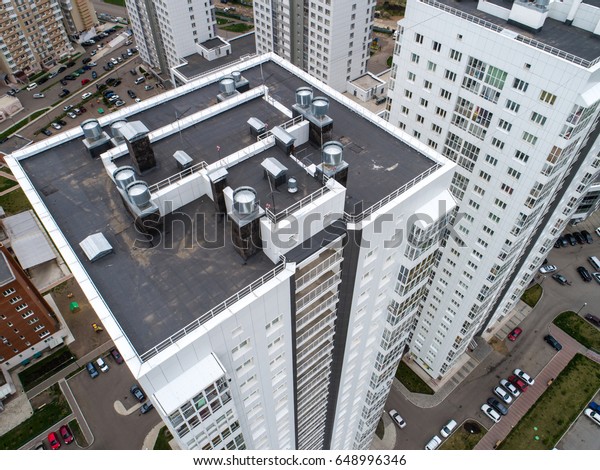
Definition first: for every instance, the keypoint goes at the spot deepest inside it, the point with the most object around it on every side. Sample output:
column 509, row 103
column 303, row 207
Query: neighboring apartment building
column 166, row 31
column 27, row 323
column 328, row 39
column 265, row 276
column 78, row 15
column 32, row 36
column 510, row 93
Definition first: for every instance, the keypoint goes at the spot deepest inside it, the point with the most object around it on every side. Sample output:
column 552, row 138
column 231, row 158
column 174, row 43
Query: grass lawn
column 412, row 381
column 461, row 439
column 48, row 366
column 5, row 183
column 22, row 123
column 548, row 419
column 15, row 202
column 532, row 295
column 238, row 27
column 221, row 21
column 162, row 441
column 579, row 329
column 121, row 3
column 79, row 437
column 41, row 420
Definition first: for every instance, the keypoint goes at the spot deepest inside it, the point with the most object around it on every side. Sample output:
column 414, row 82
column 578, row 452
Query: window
column 495, row 77
column 408, row 94
column 521, row 156
column 404, row 110
column 520, row 85
column 529, row 138
column 431, row 66
column 411, row 77
column 427, row 84
column 440, row 112
column 418, row 38
column 445, row 94
column 414, row 58
column 436, row 46
column 417, row 134
column 420, row 119
column 493, row 217
column 538, row 118
column 514, row 173
column 512, row 106
column 7, row 292
column 485, row 176
column 424, row 102
column 547, row 97
column 497, row 143
column 448, row 75
column 432, row 144
column 506, row 188
column 504, row 125
column 491, row 160
column 435, row 128
column 455, row 55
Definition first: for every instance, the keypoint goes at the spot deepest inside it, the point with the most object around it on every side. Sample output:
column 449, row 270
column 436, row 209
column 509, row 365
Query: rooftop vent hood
column 95, row 139
column 245, row 221
column 314, row 110
column 227, row 89
column 332, row 163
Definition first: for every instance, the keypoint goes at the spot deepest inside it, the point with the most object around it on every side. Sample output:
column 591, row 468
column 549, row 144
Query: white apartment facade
column 304, row 357
column 328, row 39
column 519, row 118
column 167, row 31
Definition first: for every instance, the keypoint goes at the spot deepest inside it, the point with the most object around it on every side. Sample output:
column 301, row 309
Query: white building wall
column 494, row 183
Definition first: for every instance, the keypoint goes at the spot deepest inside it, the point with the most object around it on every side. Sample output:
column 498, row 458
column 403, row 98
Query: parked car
column 146, row 407
column 103, row 366
column 94, row 74
column 66, row 434
column 116, row 356
column 579, row 238
column 584, row 273
column 91, row 370
column 56, row 125
column 562, row 241
column 64, row 92
column 53, row 440
column 86, row 95
column 85, row 81
column 131, row 94
column 517, row 382
column 38, row 95
column 86, row 60
column 448, row 428
column 119, row 103
column 503, row 394
column 498, row 406
column 70, row 77
column 133, row 72
column 587, row 236
column 11, row 92
column 551, row 340
column 63, row 82
column 148, row 87
column 434, row 443
column 514, row 334
column 140, row 80
column 491, row 412
column 597, row 277
column 593, row 319
column 71, row 114
column 61, row 122
column 137, row 393
column 46, row 132
column 31, row 86
column 570, row 239
column 67, row 107
column 593, row 415
column 548, row 268
column 523, row 376
column 598, row 231
column 594, row 406
column 560, row 279
column 397, row 419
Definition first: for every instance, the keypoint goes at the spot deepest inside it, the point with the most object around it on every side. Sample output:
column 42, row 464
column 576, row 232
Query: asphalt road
column 114, row 10
column 529, row 352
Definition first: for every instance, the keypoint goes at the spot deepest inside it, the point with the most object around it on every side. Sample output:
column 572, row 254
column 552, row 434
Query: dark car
column 94, row 74
column 514, row 334
column 66, row 434
column 86, row 60
column 111, row 81
column 131, row 94
column 578, row 238
column 146, row 407
column 594, row 406
column 584, row 273
column 560, row 279
column 70, row 64
column 70, row 77
column 106, row 93
column 551, row 340
column 593, row 319
column 64, row 92
column 116, row 356
column 571, row 239
column 11, row 92
column 557, row 243
column 91, row 370
column 46, row 132
column 61, row 122
column 41, row 80
column 133, row 72
column 498, row 405
column 63, row 82
column 587, row 236
column 137, row 393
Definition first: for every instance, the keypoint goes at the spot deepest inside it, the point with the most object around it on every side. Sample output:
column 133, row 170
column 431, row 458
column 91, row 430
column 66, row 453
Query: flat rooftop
column 198, row 65
column 576, row 41
column 157, row 284
column 366, row 82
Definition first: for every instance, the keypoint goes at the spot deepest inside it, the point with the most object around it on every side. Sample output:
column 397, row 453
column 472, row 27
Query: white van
column 447, row 430
column 434, row 443
column 140, row 80
column 31, row 86
column 595, row 262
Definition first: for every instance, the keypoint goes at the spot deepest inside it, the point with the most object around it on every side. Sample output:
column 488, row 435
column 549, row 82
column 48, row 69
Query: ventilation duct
column 95, row 139
column 124, row 176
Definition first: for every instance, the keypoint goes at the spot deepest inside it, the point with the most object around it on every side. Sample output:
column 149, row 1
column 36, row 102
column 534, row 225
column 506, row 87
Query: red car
column 517, row 382
column 53, row 440
column 66, row 434
column 514, row 334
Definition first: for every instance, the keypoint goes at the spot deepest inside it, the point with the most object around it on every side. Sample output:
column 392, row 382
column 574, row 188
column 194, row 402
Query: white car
column 397, row 419
column 56, row 125
column 72, row 115
column 38, row 95
column 593, row 415
column 67, row 107
column 503, row 395
column 598, row 231
column 103, row 366
column 523, row 376
column 86, row 95
column 490, row 412
column 448, row 428
column 548, row 268
column 510, row 387
column 31, row 86
column 434, row 443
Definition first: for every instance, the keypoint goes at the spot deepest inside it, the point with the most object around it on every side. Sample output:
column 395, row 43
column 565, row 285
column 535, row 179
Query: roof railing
column 177, row 176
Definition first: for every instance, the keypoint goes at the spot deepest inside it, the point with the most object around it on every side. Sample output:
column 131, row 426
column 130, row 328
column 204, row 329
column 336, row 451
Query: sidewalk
column 389, row 435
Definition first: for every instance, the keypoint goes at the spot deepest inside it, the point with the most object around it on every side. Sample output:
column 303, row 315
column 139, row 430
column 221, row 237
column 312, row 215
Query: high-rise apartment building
column 78, row 15
column 328, row 39
column 27, row 323
column 265, row 255
column 32, row 36
column 509, row 92
column 166, row 31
